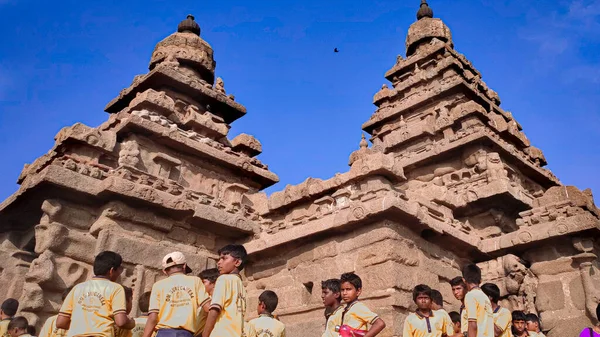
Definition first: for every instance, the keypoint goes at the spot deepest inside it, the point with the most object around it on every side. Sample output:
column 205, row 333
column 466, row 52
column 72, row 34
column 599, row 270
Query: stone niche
column 390, row 259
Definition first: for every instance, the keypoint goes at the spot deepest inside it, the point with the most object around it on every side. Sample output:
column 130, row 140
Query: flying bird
column 335, row 50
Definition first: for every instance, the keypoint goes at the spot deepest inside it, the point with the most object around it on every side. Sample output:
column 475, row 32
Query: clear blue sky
column 62, row 61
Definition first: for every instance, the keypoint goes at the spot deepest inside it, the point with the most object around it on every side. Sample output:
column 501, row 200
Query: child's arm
column 150, row 324
column 213, row 314
column 376, row 328
column 124, row 322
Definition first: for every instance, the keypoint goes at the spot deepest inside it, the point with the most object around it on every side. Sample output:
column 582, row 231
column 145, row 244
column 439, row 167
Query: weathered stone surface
column 449, row 178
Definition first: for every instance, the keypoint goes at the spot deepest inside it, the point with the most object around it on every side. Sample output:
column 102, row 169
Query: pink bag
column 347, row 331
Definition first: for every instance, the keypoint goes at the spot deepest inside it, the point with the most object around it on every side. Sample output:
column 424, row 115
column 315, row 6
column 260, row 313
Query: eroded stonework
column 450, row 178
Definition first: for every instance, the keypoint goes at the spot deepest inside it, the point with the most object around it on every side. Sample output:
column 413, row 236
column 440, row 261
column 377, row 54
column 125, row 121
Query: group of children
column 214, row 305
column 479, row 316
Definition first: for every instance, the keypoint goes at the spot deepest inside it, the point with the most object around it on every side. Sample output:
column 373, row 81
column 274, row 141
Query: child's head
column 108, row 264
column 231, row 259
column 209, row 278
column 532, row 322
column 144, row 302
column 437, row 300
column 471, row 274
column 518, row 322
column 492, row 291
column 267, row 302
column 330, row 292
column 175, row 262
column 17, row 326
column 455, row 317
column 351, row 287
column 459, row 288
column 422, row 297
column 9, row 307
column 128, row 299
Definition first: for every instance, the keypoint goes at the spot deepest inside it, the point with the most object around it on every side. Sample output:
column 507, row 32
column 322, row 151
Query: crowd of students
column 214, row 305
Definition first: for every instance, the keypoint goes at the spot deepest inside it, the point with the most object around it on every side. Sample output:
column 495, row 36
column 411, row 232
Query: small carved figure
column 128, row 156
column 220, row 85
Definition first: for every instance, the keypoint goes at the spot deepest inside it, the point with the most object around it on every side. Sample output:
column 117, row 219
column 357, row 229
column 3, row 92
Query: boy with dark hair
column 455, row 317
column 209, row 278
column 266, row 324
column 518, row 324
column 176, row 302
column 533, row 324
column 7, row 312
column 332, row 298
column 228, row 306
column 355, row 315
column 426, row 322
column 18, row 327
column 140, row 322
column 477, row 305
column 95, row 306
column 49, row 328
column 31, row 331
column 437, row 300
column 502, row 316
column 459, row 290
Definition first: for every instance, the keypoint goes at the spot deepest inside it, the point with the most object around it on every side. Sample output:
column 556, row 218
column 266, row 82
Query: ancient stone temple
column 447, row 178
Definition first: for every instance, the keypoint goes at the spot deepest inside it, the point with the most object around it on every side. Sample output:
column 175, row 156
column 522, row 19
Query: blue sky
column 62, row 61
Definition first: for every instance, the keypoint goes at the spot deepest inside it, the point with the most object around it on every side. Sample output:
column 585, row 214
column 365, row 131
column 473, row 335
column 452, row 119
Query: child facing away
column 93, row 307
column 455, row 317
column 266, row 324
column 17, row 327
column 49, row 328
column 426, row 322
column 519, row 328
column 228, row 306
column 477, row 305
column 332, row 298
column 7, row 311
column 209, row 278
column 176, row 301
column 533, row 324
column 356, row 315
column 140, row 322
column 502, row 316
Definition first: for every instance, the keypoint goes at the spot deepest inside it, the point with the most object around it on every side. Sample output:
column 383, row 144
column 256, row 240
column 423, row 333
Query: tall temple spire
column 424, row 11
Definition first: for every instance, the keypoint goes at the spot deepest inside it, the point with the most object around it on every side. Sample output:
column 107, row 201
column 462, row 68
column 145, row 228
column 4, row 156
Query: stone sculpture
column 449, row 179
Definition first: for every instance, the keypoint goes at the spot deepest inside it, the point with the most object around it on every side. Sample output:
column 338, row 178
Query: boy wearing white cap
column 177, row 302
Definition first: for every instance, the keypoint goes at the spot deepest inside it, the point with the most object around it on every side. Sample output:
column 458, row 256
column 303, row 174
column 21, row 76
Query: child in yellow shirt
column 477, row 305
column 332, row 298
column 95, row 306
column 119, row 332
column 502, row 316
column 228, row 306
column 140, row 322
column 532, row 323
column 455, row 317
column 266, row 324
column 176, row 302
column 356, row 315
column 459, row 290
column 18, row 327
column 7, row 312
column 209, row 278
column 49, row 328
column 426, row 322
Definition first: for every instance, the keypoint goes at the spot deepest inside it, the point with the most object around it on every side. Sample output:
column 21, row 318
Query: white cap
column 174, row 259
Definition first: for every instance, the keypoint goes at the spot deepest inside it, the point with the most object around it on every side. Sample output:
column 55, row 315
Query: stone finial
column 189, row 25
column 363, row 142
column 424, row 11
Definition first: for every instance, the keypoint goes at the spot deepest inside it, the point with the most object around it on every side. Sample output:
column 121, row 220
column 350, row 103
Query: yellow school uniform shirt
column 436, row 325
column 265, row 326
column 229, row 296
column 357, row 316
column 464, row 322
column 178, row 300
column 479, row 309
column 503, row 320
column 140, row 324
column 4, row 327
column 123, row 332
column 92, row 306
column 335, row 319
column 49, row 329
